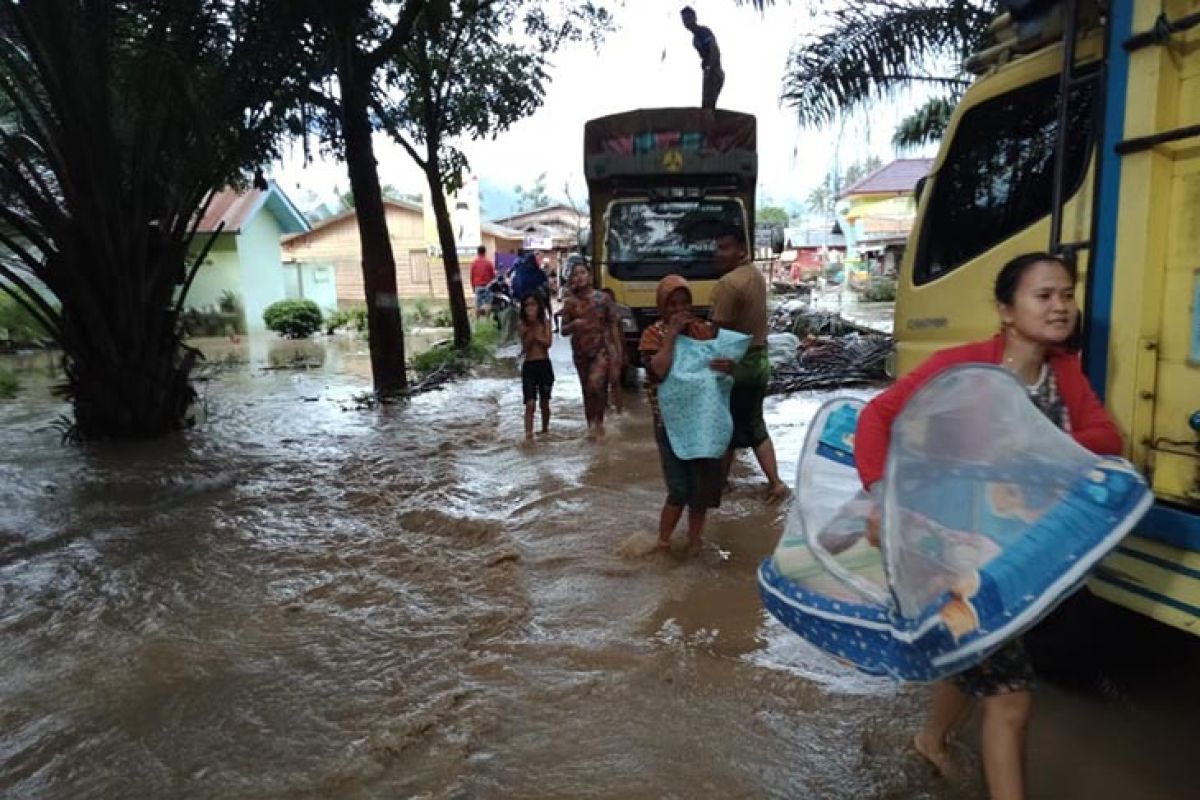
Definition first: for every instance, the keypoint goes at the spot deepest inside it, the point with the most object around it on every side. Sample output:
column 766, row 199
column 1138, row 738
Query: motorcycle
column 504, row 309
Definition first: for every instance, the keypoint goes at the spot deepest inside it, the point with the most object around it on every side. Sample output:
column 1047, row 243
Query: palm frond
column 876, row 48
column 925, row 125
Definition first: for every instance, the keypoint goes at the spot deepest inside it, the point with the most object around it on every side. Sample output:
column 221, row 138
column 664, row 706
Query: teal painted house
column 247, row 259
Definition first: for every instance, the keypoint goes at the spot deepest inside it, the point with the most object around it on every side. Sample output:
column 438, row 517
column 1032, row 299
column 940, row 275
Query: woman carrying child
column 537, row 374
column 695, row 484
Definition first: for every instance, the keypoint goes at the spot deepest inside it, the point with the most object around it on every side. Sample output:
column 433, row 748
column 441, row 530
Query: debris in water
column 832, row 352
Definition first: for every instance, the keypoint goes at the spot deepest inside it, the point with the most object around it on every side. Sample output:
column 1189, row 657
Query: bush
column 879, row 290
column 480, row 350
column 17, row 326
column 212, row 323
column 421, row 314
column 229, row 302
column 8, row 384
column 354, row 318
column 294, row 319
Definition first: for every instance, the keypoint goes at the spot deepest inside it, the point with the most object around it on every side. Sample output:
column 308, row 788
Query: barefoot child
column 616, row 358
column 696, row 483
column 537, row 375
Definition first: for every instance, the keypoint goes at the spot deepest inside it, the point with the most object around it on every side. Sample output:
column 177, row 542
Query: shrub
column 354, row 318
column 480, row 350
column 8, row 384
column 229, row 302
column 294, row 319
column 211, row 322
column 17, row 326
column 879, row 290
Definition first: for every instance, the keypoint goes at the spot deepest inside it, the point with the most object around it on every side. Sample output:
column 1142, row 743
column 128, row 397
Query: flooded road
column 302, row 598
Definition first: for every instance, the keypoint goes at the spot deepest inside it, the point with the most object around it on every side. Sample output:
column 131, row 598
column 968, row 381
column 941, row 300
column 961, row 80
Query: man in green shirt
column 740, row 304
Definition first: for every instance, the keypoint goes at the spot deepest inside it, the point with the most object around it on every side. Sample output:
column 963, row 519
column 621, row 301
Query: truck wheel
column 629, row 376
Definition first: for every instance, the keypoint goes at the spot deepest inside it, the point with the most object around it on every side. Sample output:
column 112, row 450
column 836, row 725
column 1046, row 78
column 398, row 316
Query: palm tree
column 120, row 120
column 872, row 50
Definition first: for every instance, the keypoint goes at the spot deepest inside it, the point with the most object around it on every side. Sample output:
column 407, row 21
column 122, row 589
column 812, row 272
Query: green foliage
column 533, row 197
column 17, row 325
column 481, row 349
column 8, row 384
column 470, row 70
column 924, row 126
column 229, row 302
column 212, row 323
column 773, row 215
column 879, row 290
column 294, row 319
column 353, row 318
column 874, row 50
column 422, row 314
column 824, row 196
column 125, row 118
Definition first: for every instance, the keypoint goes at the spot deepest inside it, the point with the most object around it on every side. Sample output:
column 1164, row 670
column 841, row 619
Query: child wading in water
column 616, row 359
column 537, row 375
column 695, row 483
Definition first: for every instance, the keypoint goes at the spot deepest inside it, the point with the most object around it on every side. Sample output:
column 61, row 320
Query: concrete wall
column 311, row 281
column 219, row 272
column 261, row 260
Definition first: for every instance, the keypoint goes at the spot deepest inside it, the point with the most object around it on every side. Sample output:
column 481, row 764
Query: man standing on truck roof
column 739, row 303
column 710, row 58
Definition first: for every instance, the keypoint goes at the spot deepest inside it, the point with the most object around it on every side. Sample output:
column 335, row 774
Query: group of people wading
column 592, row 321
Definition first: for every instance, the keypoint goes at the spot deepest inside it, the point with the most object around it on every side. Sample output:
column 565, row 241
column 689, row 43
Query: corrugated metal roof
column 501, row 231
column 898, row 177
column 235, row 209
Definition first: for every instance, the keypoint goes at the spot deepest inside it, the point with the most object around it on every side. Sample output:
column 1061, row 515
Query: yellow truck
column 1081, row 135
column 660, row 183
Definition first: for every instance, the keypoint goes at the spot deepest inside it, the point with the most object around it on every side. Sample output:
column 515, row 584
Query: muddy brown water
column 304, row 598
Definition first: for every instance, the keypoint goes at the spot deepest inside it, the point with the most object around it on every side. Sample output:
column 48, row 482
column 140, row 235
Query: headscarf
column 698, row 329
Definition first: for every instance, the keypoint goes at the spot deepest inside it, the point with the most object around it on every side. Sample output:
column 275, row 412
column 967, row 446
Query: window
column 999, row 173
column 647, row 240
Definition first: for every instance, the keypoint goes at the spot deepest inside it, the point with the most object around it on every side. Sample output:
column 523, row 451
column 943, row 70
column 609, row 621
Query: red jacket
column 1091, row 425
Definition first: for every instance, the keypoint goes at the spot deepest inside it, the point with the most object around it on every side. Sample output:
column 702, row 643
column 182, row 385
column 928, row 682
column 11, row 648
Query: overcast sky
column 649, row 61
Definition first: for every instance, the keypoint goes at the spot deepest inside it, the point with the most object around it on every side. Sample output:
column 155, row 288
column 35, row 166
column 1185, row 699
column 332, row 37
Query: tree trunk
column 445, row 229
column 378, row 261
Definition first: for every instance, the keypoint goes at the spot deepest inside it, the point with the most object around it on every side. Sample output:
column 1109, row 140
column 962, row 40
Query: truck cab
column 661, row 182
column 1081, row 136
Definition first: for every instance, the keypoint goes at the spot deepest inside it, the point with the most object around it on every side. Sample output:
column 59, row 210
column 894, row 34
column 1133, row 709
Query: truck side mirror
column 919, row 190
column 584, row 240
column 777, row 240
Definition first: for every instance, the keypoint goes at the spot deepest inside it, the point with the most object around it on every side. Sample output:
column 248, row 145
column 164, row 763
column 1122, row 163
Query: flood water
column 303, row 597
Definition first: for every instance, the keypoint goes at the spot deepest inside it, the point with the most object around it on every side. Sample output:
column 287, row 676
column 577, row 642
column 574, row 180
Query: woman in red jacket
column 1035, row 296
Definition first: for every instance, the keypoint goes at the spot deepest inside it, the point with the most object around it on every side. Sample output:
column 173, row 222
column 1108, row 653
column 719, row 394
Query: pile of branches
column 833, row 353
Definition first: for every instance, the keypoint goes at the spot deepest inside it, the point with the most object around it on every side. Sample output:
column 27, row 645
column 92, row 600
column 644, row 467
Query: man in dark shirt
column 710, row 58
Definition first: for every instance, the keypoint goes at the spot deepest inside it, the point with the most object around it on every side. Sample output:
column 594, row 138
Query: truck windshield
column 648, row 239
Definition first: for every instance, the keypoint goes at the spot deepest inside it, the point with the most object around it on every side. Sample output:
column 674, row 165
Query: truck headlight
column 628, row 325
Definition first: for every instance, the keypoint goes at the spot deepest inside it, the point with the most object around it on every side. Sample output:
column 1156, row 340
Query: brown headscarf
column 699, row 329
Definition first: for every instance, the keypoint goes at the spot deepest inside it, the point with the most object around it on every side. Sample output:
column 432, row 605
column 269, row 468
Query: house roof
column 235, row 209
column 898, row 177
column 350, row 212
column 514, row 219
column 501, row 231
